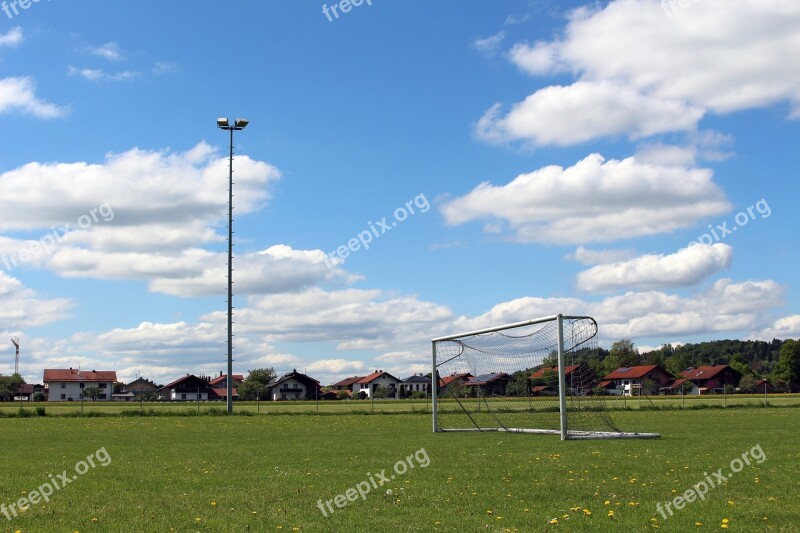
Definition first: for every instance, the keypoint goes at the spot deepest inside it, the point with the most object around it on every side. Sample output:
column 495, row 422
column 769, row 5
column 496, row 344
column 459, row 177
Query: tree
column 118, row 388
column 342, row 395
column 747, row 383
column 254, row 387
column 622, row 353
column 382, row 392
column 788, row 368
column 9, row 385
column 519, row 387
column 92, row 392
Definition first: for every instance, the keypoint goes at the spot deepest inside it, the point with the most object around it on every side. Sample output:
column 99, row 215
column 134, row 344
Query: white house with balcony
column 293, row 386
column 69, row 385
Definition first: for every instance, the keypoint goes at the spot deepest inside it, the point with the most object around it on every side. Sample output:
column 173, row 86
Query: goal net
column 530, row 377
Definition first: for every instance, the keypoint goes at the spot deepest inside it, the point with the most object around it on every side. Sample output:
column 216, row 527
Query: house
column 630, row 380
column 493, row 384
column 293, row 386
column 141, row 385
column 366, row 386
column 221, row 393
column 123, row 397
column 462, row 378
column 68, row 385
column 24, row 393
column 221, row 382
column 187, row 388
column 347, row 383
column 580, row 379
column 679, row 386
column 761, row 386
column 711, row 378
column 415, row 383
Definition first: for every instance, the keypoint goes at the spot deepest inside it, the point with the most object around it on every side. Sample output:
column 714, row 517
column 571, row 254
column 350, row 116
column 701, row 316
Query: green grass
column 266, row 473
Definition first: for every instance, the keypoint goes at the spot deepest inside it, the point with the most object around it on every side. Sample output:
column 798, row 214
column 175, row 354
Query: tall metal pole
column 230, row 278
column 562, row 382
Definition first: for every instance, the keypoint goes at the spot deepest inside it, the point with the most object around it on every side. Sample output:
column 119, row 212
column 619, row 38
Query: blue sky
column 559, row 157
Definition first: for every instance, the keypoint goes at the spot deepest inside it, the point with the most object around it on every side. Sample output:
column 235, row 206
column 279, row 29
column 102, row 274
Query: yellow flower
column 611, row 513
column 553, row 521
column 606, row 502
column 724, row 526
column 213, row 504
column 725, row 520
column 587, row 512
column 698, row 523
column 524, row 510
column 94, row 520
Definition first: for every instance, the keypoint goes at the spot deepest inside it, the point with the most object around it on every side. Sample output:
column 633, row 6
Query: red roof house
column 709, row 378
column 630, row 380
column 68, row 385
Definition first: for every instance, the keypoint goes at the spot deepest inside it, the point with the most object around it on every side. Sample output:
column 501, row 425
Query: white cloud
column 559, row 115
column 684, row 268
column 19, row 94
column 593, row 201
column 23, row 308
column 12, row 38
column 108, row 51
column 658, row 73
column 784, row 328
column 489, row 46
column 335, row 366
column 96, row 74
column 585, row 256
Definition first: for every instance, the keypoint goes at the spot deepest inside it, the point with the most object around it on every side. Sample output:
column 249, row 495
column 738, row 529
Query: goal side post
column 562, row 382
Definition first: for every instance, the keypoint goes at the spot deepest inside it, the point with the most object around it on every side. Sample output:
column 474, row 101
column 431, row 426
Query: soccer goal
column 529, row 377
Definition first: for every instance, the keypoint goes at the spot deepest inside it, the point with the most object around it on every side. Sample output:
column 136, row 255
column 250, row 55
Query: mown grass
column 267, row 473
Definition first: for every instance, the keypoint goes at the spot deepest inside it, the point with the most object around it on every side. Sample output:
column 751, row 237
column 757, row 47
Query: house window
column 183, row 396
column 82, row 384
column 63, row 396
column 295, row 385
column 63, row 385
column 283, row 396
column 103, row 385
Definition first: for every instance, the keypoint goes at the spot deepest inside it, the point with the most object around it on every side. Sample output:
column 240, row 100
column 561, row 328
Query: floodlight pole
column 224, row 124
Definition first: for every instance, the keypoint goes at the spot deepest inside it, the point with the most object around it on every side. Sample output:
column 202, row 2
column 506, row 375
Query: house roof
column 487, row 378
column 25, row 388
column 417, row 378
column 539, row 388
column 550, row 369
column 634, row 372
column 75, row 375
column 347, row 381
column 453, row 377
column 704, row 372
column 604, row 384
column 375, row 375
column 222, row 392
column 222, row 378
column 294, row 374
column 187, row 377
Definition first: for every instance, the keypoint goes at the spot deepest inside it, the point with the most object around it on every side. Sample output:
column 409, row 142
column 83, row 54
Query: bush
column 40, row 411
column 24, row 413
column 418, row 395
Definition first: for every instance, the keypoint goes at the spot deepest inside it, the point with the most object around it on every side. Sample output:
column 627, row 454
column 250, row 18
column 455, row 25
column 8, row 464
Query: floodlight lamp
column 241, row 123
column 222, row 122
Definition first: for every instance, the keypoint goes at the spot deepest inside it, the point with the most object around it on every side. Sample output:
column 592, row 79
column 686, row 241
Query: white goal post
column 534, row 376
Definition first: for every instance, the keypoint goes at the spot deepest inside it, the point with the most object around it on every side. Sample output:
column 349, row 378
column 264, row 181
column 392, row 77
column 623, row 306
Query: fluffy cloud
column 12, row 38
column 653, row 76
column 100, row 221
column 783, row 328
column 586, row 256
column 23, row 308
column 684, row 268
column 593, row 201
column 583, row 111
column 19, row 94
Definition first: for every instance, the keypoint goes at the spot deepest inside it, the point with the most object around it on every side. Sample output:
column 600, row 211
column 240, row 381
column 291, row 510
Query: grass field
column 267, row 473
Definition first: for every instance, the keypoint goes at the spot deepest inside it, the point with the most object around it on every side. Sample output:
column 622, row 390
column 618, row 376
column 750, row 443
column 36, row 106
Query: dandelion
column 553, row 521
column 587, row 512
column 606, row 502
column 94, row 520
column 254, row 513
column 213, row 504
column 525, row 510
column 611, row 513
column 698, row 523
